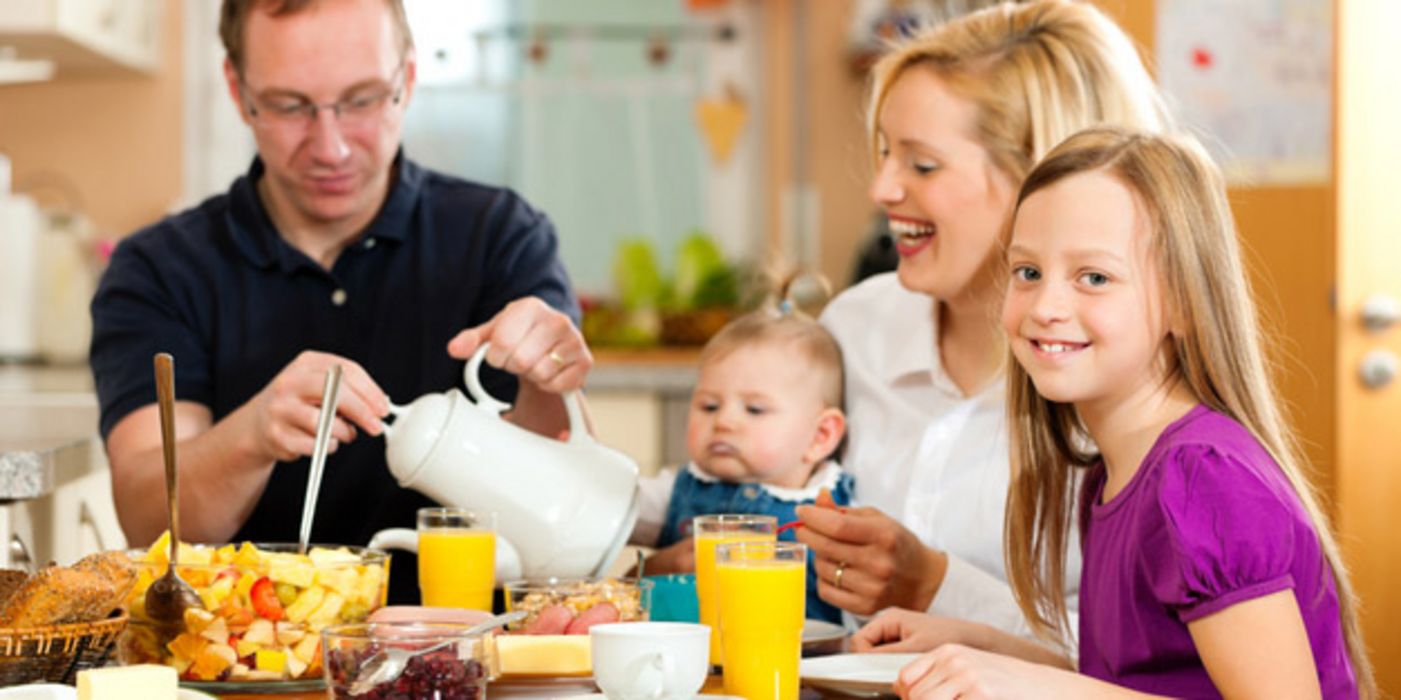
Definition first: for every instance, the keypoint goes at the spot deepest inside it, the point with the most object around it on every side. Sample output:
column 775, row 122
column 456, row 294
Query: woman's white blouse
column 923, row 452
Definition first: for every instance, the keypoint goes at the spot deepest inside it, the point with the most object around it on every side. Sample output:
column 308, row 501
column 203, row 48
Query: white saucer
column 860, row 675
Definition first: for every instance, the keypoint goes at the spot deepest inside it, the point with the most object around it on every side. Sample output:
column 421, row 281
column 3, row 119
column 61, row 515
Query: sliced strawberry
column 263, row 596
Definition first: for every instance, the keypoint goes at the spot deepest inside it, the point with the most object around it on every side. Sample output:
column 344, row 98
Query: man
column 334, row 248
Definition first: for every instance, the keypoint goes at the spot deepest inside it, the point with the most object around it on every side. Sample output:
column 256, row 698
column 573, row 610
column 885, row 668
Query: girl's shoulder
column 1226, row 511
column 1207, row 447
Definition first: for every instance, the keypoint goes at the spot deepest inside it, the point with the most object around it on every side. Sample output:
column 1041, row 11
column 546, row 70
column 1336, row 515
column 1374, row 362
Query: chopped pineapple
column 305, row 604
column 270, row 660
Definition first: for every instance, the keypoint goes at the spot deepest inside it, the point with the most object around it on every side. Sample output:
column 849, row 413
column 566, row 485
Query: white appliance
column 20, row 223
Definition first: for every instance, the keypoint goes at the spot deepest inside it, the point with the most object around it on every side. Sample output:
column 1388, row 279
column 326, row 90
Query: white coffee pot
column 563, row 507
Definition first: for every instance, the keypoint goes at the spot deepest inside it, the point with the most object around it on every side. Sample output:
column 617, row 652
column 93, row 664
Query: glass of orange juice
column 711, row 531
column 456, row 558
column 762, row 588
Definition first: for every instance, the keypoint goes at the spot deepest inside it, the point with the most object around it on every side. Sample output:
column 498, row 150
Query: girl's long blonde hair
column 1038, row 72
column 1218, row 356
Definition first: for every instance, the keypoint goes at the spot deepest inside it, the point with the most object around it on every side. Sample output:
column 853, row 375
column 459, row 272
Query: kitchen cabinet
column 16, row 537
column 638, row 401
column 55, row 485
column 84, row 37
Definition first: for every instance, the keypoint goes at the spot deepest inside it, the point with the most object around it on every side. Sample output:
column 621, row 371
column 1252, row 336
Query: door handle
column 1378, row 368
column 1380, row 312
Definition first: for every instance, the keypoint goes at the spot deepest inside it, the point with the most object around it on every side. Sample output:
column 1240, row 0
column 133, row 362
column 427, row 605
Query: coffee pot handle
column 578, row 431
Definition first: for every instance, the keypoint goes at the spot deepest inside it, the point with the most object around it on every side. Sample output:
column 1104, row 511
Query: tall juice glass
column 711, row 531
column 456, row 558
column 762, row 588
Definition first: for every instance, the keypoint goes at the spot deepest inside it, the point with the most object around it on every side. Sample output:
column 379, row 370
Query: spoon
column 389, row 662
column 330, row 395
column 169, row 596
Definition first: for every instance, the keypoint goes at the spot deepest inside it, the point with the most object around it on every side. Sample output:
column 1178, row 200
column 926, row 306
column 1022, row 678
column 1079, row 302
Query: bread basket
column 55, row 653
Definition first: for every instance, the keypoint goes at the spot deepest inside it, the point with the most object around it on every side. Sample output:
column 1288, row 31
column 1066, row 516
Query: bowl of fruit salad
column 263, row 608
column 380, row 661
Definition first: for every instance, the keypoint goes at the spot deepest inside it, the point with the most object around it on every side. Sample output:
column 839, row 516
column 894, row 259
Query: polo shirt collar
column 258, row 240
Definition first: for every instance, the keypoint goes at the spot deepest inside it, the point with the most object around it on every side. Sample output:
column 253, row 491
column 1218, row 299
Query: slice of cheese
column 143, row 682
column 543, row 655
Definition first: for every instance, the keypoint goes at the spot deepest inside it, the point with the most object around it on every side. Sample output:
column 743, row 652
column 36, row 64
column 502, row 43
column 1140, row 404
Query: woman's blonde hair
column 1037, row 71
column 780, row 320
column 1216, row 353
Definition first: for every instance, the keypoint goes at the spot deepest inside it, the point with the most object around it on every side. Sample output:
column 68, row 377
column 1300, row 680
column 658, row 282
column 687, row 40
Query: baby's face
column 754, row 416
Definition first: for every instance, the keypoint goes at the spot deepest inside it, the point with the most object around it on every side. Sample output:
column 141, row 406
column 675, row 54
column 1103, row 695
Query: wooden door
column 1369, row 263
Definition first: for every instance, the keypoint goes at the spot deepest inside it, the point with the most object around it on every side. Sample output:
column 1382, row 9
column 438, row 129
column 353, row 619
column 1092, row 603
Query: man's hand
column 882, row 563
column 533, row 341
column 284, row 412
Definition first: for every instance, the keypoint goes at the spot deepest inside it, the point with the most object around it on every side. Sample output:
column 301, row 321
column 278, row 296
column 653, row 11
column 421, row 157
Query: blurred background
column 681, row 146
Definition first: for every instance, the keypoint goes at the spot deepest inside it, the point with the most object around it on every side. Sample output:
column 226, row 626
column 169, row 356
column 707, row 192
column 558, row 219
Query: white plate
column 861, row 675
column 51, row 691
column 819, row 631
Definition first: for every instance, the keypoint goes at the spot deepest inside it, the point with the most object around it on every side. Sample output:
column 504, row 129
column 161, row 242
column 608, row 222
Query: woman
column 957, row 117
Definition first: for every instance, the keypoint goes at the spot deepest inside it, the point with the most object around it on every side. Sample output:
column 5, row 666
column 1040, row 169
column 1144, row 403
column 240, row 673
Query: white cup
column 650, row 660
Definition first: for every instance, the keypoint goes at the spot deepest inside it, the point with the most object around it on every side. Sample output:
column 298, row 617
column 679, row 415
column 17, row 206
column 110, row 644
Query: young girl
column 765, row 418
column 1209, row 569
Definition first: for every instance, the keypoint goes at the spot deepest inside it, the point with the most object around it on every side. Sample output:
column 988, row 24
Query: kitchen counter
column 668, row 370
column 48, row 429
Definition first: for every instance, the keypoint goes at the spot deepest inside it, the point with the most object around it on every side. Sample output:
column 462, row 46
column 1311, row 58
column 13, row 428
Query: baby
column 765, row 420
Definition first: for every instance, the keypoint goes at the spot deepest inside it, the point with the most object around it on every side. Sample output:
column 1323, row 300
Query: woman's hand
column 954, row 671
column 897, row 630
column 866, row 561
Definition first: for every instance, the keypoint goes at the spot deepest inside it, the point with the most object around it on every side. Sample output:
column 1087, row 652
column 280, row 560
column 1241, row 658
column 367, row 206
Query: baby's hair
column 1216, row 352
column 781, row 320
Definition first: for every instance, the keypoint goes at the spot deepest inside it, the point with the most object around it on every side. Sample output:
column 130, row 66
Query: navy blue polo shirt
column 217, row 287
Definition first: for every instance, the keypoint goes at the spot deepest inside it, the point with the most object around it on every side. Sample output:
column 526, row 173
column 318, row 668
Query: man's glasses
column 361, row 108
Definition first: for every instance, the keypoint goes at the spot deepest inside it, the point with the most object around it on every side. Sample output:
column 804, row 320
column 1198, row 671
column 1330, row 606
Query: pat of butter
column 543, row 655
column 142, row 682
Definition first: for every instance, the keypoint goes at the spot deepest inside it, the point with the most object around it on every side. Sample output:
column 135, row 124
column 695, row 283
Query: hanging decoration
column 658, row 50
column 721, row 122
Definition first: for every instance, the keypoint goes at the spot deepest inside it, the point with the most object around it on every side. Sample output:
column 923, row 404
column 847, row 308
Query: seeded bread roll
column 86, row 592
column 10, row 581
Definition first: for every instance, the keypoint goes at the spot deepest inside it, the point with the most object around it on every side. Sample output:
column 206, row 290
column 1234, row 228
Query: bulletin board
column 1253, row 78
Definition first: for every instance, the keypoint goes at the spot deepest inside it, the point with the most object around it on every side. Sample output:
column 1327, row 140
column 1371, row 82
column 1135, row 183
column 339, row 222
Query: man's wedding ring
column 558, row 358
column 837, row 578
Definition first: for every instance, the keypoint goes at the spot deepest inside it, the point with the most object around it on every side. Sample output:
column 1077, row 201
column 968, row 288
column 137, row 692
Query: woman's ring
column 837, row 579
column 558, row 358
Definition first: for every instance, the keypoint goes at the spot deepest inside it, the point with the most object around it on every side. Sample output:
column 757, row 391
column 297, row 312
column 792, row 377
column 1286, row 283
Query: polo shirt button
column 751, row 493
column 338, row 297
column 369, row 243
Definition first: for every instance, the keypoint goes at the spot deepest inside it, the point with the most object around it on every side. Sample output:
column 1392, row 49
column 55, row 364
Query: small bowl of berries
column 419, row 660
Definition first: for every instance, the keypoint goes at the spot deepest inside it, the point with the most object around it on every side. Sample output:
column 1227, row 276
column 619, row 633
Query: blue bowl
column 674, row 598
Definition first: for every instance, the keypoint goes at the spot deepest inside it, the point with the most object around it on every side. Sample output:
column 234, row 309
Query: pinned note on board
column 721, row 122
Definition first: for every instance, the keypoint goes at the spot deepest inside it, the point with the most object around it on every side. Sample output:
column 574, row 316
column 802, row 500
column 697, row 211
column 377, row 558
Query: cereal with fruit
column 263, row 608
column 571, row 606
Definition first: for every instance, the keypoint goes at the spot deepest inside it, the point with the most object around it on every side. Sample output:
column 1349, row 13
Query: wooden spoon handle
column 165, row 397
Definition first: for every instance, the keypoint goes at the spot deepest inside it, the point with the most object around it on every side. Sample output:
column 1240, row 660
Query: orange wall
column 114, row 141
column 1289, row 240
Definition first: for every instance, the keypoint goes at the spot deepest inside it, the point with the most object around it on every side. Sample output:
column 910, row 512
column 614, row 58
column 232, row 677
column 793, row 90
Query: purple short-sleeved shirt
column 1208, row 521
